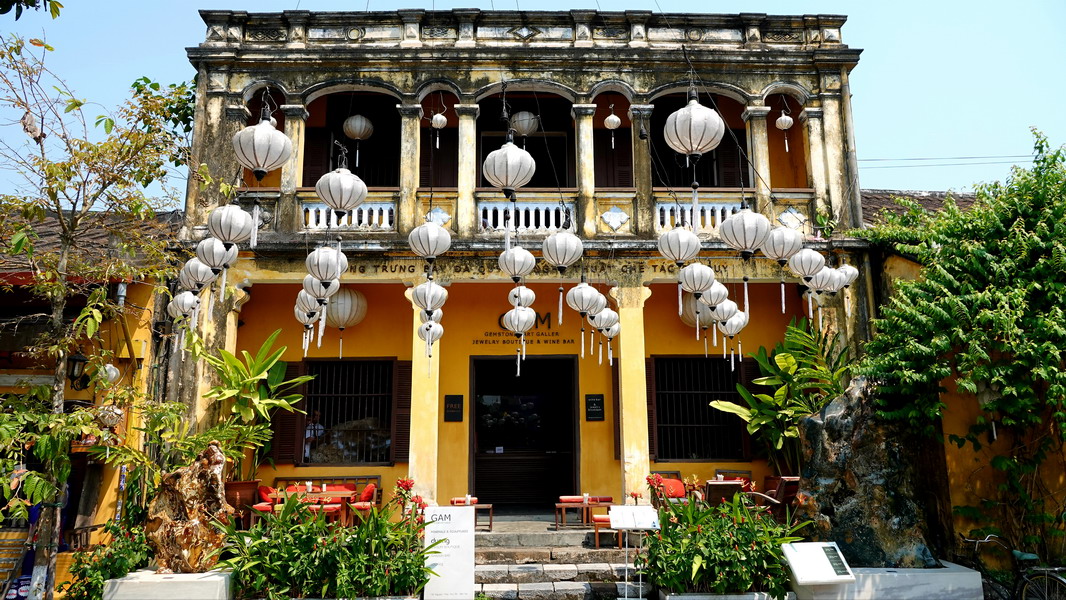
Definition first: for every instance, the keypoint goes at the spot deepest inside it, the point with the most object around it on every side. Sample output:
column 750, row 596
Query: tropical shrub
column 293, row 553
column 731, row 548
column 127, row 551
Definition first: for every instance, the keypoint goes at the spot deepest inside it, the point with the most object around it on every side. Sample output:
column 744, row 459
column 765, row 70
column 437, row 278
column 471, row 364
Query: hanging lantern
column 850, row 274
column 519, row 320
column 525, row 123
column 716, row 295
column 183, row 305
column 823, row 280
column 429, row 240
column 781, row 243
column 195, row 275
column 521, row 296
column 610, row 333
column 724, row 310
column 517, row 262
column 603, row 321
column 694, row 129
column 696, row 279
column 429, row 296
column 230, row 224
column 435, row 315
column 562, row 249
column 679, row 245
column 358, row 128
column 261, row 148
column 215, row 254
column 730, row 328
column 308, row 321
column 745, row 231
column 694, row 311
column 321, row 289
column 326, row 263
column 784, row 122
column 346, row 309
column 429, row 332
column 438, row 122
column 612, row 122
column 806, row 263
column 837, row 283
column 509, row 168
column 308, row 303
column 111, row 373
column 586, row 300
column 341, row 190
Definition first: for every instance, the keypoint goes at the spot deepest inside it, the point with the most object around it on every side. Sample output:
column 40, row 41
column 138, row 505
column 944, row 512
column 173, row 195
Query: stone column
column 292, row 172
column 425, row 411
column 759, row 152
column 465, row 206
column 812, row 117
column 833, row 142
column 466, row 18
column 412, row 27
column 582, row 27
column 632, row 386
column 586, row 169
column 638, row 27
column 410, row 146
column 645, row 202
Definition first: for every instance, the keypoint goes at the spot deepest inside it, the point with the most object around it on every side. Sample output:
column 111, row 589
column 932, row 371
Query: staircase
column 524, row 558
column 13, row 548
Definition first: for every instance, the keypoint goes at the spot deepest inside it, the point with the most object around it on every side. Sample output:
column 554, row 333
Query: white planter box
column 147, row 585
column 953, row 582
column 745, row 596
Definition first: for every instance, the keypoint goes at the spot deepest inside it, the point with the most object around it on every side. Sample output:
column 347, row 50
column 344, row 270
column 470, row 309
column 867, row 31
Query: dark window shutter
column 614, row 167
column 623, row 162
column 286, row 442
column 653, row 430
column 317, row 150
column 401, row 412
column 732, row 172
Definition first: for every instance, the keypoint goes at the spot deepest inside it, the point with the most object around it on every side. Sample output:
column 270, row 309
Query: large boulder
column 860, row 477
column 181, row 517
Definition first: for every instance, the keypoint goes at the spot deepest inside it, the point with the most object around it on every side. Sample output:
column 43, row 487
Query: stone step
column 552, row 572
column 542, row 539
column 545, row 555
column 560, row 590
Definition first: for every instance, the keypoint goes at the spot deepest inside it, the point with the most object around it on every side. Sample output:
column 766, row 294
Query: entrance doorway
column 524, row 434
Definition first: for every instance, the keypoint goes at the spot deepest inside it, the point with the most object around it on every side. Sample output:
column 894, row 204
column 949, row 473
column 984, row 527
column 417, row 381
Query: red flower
column 655, row 480
column 405, row 484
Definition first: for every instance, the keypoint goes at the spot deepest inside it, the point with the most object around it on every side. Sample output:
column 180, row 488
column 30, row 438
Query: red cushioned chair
column 365, row 502
column 673, row 491
column 604, row 522
column 461, row 501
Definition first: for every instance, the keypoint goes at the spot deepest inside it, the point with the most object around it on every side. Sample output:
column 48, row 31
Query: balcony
column 377, row 214
column 791, row 207
column 537, row 212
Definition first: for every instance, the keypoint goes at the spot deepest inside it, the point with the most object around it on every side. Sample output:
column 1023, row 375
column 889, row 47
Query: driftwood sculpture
column 180, row 518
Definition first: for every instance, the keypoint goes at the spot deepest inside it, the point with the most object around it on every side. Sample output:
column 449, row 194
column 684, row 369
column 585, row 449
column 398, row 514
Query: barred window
column 349, row 410
column 685, row 426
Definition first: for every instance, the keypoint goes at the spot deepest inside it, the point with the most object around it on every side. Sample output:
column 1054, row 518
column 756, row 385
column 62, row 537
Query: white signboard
column 633, row 518
column 454, row 565
column 817, row 563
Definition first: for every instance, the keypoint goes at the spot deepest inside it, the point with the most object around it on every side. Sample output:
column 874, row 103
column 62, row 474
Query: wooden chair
column 604, row 522
column 716, row 492
column 782, row 500
column 673, row 491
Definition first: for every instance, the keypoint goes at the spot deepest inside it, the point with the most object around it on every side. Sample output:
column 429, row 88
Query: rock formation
column 860, row 477
column 180, row 518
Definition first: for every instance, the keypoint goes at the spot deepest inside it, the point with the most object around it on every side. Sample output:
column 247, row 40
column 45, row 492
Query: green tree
column 52, row 6
column 988, row 312
column 83, row 179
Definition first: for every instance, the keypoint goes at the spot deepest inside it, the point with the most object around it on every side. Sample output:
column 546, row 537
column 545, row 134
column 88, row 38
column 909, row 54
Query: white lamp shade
column 782, row 243
column 308, row 303
column 509, row 167
column 183, row 304
column 783, row 122
column 850, row 274
column 346, row 308
column 521, row 296
column 694, row 129
column 341, row 190
column 326, row 263
column 213, row 253
column 838, row 281
column 519, row 319
column 823, row 280
column 734, row 324
column 304, row 317
column 612, row 121
column 435, row 315
column 358, row 127
column 562, row 249
column 231, row 224
column 603, row 319
column 724, row 310
column 195, row 275
column 429, row 296
column 439, row 121
column 689, row 305
column 744, row 231
column 696, row 278
column 524, row 122
column 430, row 331
column 612, row 332
column 679, row 245
column 716, row 295
column 517, row 262
column 429, row 240
column 806, row 263
column 261, row 148
column 111, row 373
column 585, row 299
column 319, row 288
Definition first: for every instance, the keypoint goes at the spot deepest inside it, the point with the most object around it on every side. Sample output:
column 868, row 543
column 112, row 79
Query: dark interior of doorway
column 524, row 434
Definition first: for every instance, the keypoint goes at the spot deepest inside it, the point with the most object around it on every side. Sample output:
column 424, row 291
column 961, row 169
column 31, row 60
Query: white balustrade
column 531, row 217
column 371, row 216
column 711, row 215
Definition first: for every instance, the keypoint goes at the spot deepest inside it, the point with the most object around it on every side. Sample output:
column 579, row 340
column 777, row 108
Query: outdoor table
column 718, row 490
column 483, row 507
column 584, row 508
column 344, row 497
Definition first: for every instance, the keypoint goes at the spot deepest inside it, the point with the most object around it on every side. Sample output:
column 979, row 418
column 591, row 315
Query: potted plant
column 703, row 551
column 807, row 371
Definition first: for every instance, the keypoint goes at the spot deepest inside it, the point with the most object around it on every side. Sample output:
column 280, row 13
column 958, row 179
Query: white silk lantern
column 326, row 263
column 521, row 296
column 358, row 128
column 230, row 224
column 524, row 123
column 586, row 300
column 694, row 130
column 680, row 246
column 429, row 296
column 560, row 250
column 782, row 244
column 261, row 148
column 195, row 275
column 429, row 240
column 438, row 122
column 218, row 257
column 519, row 320
column 517, row 262
column 341, row 190
column 346, row 308
column 612, row 122
column 784, row 123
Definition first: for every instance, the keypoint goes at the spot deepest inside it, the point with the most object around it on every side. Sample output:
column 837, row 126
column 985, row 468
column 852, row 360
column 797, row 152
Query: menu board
column 817, row 563
column 633, row 518
column 454, row 565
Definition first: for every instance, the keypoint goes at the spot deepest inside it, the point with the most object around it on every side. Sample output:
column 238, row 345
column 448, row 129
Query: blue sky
column 937, row 79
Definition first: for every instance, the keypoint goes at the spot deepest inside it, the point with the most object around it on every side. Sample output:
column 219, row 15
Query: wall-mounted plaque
column 594, row 407
column 453, row 408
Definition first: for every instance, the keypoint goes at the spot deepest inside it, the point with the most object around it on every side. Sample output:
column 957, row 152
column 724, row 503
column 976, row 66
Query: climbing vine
column 988, row 314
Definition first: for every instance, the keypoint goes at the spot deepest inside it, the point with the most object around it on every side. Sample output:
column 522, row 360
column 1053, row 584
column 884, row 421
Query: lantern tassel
column 560, row 305
column 740, row 350
column 746, row 310
column 340, row 345
column 714, row 333
column 600, row 355
column 704, row 346
column 695, row 210
column 582, row 338
column 357, row 153
column 181, row 342
column 612, row 139
column 679, row 311
column 523, row 347
column 255, row 226
column 725, row 344
column 786, row 141
column 610, row 354
column 222, row 286
column 697, row 321
column 732, row 355
column 820, row 324
column 210, row 301
column 322, row 324
column 438, row 140
column 782, row 296
column 518, row 362
column 847, row 303
column 810, row 309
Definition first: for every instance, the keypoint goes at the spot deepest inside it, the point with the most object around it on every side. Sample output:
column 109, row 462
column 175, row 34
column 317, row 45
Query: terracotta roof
column 875, row 201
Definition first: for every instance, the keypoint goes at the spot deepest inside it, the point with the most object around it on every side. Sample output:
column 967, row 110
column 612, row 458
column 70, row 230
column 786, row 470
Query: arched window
column 552, row 145
column 788, row 147
column 613, row 149
column 439, row 166
column 723, row 167
column 266, row 100
column 379, row 155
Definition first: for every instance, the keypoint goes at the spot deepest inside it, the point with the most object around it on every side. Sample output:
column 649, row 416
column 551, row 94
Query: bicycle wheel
column 1044, row 587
